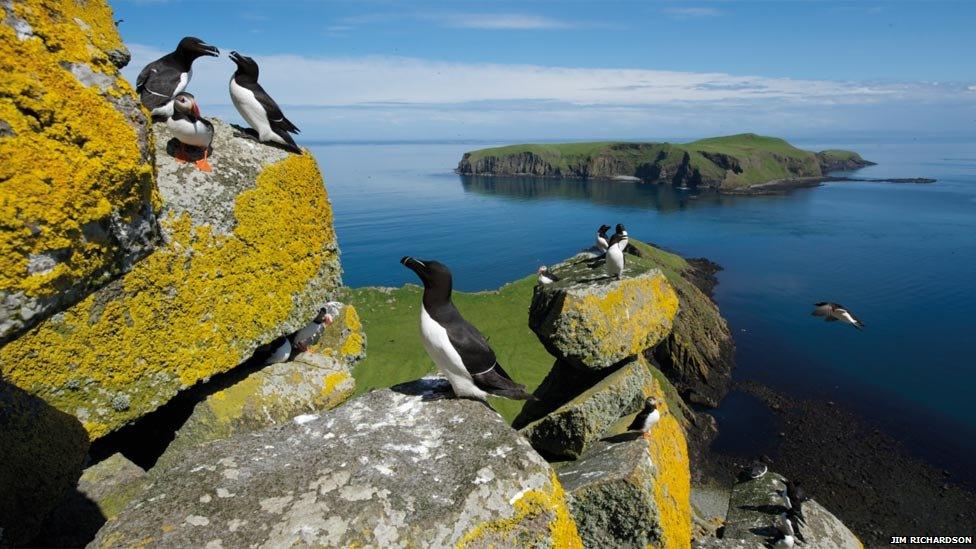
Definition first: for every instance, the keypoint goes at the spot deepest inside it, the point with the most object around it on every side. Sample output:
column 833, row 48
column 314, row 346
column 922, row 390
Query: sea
column 902, row 257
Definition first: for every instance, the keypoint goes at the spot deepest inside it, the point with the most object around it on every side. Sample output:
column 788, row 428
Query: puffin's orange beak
column 196, row 109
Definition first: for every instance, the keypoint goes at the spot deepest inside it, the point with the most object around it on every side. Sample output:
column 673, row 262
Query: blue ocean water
column 901, row 256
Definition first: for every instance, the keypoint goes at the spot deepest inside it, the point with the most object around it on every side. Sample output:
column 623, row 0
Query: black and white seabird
column 458, row 349
column 793, row 496
column 257, row 107
column 615, row 256
column 649, row 415
column 191, row 129
column 783, row 541
column 754, row 471
column 624, row 240
column 602, row 241
column 836, row 311
column 279, row 350
column 161, row 80
column 788, row 526
column 546, row 276
column 312, row 332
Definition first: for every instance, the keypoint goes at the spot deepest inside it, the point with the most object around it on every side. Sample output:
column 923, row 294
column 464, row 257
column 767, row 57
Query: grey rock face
column 754, row 504
column 385, row 470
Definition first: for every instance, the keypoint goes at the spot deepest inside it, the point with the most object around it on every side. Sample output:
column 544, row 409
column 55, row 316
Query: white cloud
column 380, row 94
column 501, row 21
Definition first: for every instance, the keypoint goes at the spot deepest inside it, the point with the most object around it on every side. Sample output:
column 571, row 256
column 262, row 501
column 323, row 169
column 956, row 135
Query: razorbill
column 191, row 129
column 161, row 80
column 788, row 526
column 602, row 242
column 280, row 351
column 615, row 257
column 835, row 311
column 783, row 541
column 458, row 349
column 649, row 415
column 624, row 240
column 545, row 276
column 754, row 471
column 257, row 107
column 312, row 332
column 794, row 495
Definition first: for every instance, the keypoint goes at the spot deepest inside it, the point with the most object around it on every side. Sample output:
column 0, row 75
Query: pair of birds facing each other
column 833, row 312
column 161, row 83
column 612, row 249
column 287, row 347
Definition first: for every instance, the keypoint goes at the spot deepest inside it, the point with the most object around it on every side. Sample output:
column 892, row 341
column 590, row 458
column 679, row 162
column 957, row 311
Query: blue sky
column 566, row 69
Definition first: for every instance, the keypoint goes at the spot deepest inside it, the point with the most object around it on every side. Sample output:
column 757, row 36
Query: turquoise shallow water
column 902, row 257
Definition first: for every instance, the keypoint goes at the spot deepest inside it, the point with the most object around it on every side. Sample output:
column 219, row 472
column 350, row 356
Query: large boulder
column 566, row 430
column 755, row 503
column 249, row 254
column 387, row 469
column 274, row 394
column 591, row 321
column 633, row 491
column 77, row 200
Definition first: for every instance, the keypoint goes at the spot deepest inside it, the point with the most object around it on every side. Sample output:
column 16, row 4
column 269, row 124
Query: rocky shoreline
column 865, row 476
column 782, row 186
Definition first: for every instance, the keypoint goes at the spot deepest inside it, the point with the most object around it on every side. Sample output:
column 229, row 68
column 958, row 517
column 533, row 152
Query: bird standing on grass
column 602, row 242
column 615, row 257
column 458, row 349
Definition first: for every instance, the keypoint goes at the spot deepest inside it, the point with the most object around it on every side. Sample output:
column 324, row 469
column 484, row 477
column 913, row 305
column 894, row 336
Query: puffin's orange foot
column 203, row 165
column 181, row 157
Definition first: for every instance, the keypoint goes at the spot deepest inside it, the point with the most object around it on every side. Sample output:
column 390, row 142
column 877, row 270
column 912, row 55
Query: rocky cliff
column 726, row 163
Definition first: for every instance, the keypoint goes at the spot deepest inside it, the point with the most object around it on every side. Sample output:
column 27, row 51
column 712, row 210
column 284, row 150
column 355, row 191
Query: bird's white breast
column 601, row 243
column 445, row 356
column 545, row 279
column 196, row 134
column 252, row 111
column 615, row 260
column 651, row 419
column 184, row 82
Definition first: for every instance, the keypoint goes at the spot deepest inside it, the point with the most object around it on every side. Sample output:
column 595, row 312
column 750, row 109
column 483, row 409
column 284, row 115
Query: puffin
column 458, row 349
column 161, row 80
column 546, row 277
column 191, row 129
column 601, row 238
column 649, row 415
column 257, row 107
column 615, row 256
column 835, row 311
column 312, row 332
column 278, row 350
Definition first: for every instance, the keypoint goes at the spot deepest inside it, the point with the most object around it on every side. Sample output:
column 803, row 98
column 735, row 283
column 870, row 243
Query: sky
column 463, row 70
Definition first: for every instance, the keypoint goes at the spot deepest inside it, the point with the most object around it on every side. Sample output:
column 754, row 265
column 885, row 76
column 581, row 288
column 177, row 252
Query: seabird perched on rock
column 783, row 541
column 649, row 415
column 161, row 80
column 793, row 496
column 191, row 129
column 788, row 526
column 754, row 471
column 458, row 349
column 257, row 107
column 835, row 311
column 546, row 276
column 280, row 351
column 312, row 332
column 615, row 257
column 602, row 242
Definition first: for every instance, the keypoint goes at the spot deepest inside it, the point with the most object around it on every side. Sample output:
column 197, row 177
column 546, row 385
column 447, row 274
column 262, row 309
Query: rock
column 77, row 203
column 249, row 254
column 42, row 450
column 386, row 469
column 569, row 428
column 592, row 322
column 271, row 395
column 344, row 339
column 103, row 491
column 754, row 504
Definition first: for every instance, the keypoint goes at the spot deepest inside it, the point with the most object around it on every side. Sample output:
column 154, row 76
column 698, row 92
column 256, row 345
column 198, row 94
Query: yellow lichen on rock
column 549, row 505
column 672, row 481
column 76, row 180
column 190, row 310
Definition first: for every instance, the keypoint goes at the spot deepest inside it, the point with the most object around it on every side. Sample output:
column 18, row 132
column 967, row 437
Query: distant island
column 744, row 163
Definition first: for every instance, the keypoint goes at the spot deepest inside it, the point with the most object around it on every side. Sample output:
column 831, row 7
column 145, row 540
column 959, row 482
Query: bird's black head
column 651, row 403
column 245, row 65
column 620, row 229
column 320, row 316
column 603, row 230
column 192, row 47
column 616, row 238
column 434, row 274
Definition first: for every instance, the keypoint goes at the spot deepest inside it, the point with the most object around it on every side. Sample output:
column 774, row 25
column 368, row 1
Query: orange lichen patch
column 672, row 482
column 186, row 312
column 561, row 531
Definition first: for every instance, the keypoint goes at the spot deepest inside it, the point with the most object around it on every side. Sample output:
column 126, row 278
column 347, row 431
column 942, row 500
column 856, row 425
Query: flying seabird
column 602, row 243
column 312, row 332
column 546, row 276
column 161, row 80
column 615, row 257
column 649, row 415
column 836, row 311
column 191, row 129
column 458, row 349
column 257, row 107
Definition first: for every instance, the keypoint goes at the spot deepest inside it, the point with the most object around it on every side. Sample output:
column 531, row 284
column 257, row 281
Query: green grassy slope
column 394, row 353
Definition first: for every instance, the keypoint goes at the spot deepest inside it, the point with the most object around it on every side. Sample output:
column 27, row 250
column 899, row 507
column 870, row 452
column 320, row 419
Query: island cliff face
column 726, row 163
